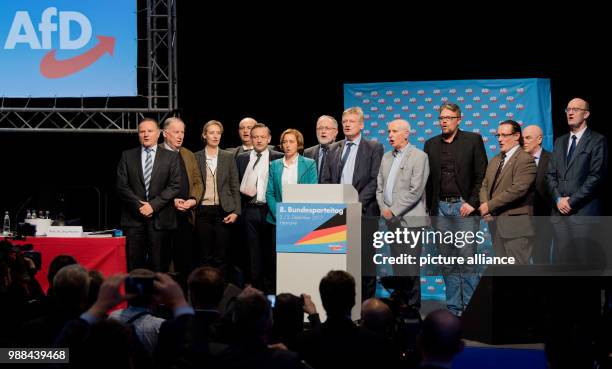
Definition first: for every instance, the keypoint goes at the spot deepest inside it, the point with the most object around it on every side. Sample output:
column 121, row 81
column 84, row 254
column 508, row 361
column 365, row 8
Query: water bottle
column 29, row 214
column 34, row 214
column 47, row 214
column 6, row 228
column 40, row 215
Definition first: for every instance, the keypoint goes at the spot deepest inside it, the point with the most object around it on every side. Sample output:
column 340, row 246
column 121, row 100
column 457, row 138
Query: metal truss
column 75, row 120
column 95, row 114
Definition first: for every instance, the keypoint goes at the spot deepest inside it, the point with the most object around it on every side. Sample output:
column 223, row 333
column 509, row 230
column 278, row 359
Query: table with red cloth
column 104, row 254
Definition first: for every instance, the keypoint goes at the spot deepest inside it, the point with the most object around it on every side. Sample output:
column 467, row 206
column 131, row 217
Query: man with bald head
column 440, row 340
column 377, row 317
column 327, row 130
column 576, row 174
column 400, row 194
column 244, row 132
column 542, row 204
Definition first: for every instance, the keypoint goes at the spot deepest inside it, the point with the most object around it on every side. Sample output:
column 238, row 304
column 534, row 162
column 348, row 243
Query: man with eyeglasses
column 327, row 130
column 507, row 192
column 576, row 173
column 457, row 162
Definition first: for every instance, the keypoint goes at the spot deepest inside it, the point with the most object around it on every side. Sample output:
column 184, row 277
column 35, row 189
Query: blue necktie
column 572, row 148
column 345, row 156
column 147, row 170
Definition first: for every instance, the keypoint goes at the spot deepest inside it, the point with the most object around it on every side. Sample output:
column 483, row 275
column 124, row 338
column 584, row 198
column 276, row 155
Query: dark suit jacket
column 367, row 164
column 582, row 178
column 186, row 341
column 339, row 343
column 242, row 160
column 313, row 153
column 164, row 187
column 226, row 177
column 543, row 202
column 470, row 166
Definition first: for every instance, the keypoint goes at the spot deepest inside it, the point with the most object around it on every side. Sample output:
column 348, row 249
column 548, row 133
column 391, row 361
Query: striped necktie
column 147, row 170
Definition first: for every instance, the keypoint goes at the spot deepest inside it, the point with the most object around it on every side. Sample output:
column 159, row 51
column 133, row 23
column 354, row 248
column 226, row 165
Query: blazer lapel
column 359, row 157
column 138, row 159
column 403, row 164
column 579, row 147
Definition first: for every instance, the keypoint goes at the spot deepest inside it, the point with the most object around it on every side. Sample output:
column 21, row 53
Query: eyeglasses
column 447, row 118
column 504, row 135
column 574, row 110
column 325, row 128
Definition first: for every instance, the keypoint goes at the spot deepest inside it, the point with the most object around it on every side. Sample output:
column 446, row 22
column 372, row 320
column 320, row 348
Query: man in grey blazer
column 576, row 174
column 327, row 130
column 400, row 193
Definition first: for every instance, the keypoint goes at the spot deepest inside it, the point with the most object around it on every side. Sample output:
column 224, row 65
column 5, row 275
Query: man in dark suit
column 253, row 171
column 507, row 192
column 576, row 173
column 244, row 132
column 327, row 130
column 356, row 161
column 543, row 203
column 186, row 202
column 457, row 162
column 148, row 181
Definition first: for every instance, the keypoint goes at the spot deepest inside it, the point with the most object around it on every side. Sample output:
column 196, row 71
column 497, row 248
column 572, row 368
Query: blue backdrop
column 484, row 104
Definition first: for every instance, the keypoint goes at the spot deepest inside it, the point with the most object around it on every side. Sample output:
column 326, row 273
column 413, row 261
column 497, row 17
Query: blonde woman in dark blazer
column 220, row 205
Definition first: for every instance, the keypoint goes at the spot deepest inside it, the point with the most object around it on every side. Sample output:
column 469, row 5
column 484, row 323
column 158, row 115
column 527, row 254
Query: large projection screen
column 68, row 48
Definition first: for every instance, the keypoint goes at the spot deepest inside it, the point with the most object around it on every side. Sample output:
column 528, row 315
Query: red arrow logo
column 50, row 67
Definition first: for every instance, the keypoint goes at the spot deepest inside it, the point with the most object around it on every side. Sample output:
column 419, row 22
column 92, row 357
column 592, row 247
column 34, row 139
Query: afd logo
column 22, row 31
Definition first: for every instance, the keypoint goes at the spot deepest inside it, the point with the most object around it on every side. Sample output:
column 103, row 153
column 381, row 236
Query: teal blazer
column 307, row 174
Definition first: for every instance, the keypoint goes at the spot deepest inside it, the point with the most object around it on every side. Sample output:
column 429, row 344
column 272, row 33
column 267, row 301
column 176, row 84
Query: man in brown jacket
column 507, row 193
column 186, row 202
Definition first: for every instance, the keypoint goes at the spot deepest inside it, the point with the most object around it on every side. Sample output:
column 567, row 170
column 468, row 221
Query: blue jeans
column 460, row 280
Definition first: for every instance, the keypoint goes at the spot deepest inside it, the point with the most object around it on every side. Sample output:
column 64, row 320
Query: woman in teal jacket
column 293, row 168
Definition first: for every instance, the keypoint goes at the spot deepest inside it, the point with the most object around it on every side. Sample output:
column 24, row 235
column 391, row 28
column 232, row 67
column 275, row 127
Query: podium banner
column 311, row 228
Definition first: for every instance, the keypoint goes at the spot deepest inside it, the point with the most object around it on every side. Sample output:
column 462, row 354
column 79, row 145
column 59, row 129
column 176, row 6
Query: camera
column 13, row 252
column 139, row 286
column 408, row 319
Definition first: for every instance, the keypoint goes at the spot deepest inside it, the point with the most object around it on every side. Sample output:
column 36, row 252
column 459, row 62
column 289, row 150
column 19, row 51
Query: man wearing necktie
column 148, row 181
column 327, row 130
column 543, row 203
column 400, row 194
column 507, row 192
column 576, row 174
column 356, row 161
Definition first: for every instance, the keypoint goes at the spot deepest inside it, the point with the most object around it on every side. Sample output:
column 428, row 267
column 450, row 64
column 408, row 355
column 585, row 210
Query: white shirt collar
column 511, row 152
column 578, row 134
column 168, row 147
column 152, row 148
column 538, row 153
